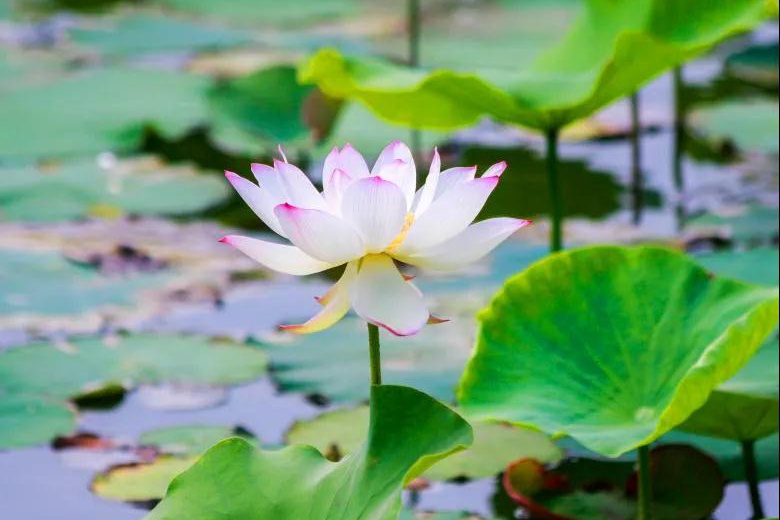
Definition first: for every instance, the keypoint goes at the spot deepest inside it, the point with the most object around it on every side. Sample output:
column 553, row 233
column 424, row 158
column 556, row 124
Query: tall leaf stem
column 636, row 161
column 645, row 491
column 751, row 475
column 553, row 183
column 413, row 23
column 677, row 153
column 373, row 354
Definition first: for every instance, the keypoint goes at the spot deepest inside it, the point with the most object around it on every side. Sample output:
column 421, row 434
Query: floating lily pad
column 90, row 363
column 56, row 119
column 609, row 52
column 750, row 124
column 294, row 481
column 141, row 482
column 637, row 337
column 29, row 383
column 292, row 12
column 752, row 223
column 583, row 489
column 45, row 285
column 141, row 33
column 32, row 419
column 436, row 515
column 77, row 189
column 757, row 265
column 190, row 439
column 180, row 446
column 340, row 432
column 757, row 64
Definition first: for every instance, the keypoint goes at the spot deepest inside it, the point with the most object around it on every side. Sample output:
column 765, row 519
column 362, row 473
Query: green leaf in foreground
column 409, row 432
column 611, row 51
column 613, row 346
column 340, row 432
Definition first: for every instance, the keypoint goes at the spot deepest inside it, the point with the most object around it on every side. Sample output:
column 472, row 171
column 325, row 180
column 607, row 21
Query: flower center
column 408, row 221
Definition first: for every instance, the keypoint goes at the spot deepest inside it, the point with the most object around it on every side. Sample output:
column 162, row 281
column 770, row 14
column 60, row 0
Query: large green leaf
column 611, row 51
column 77, row 189
column 409, row 432
column 340, row 432
column 54, row 119
column 613, row 346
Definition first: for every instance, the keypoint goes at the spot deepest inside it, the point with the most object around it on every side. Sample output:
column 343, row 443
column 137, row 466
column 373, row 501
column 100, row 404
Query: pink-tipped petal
column 278, row 257
column 381, row 296
column 428, row 191
column 259, row 200
column 496, row 170
column 336, row 306
column 298, row 188
column 396, row 164
column 451, row 177
column 376, row 208
column 347, row 159
column 320, row 234
column 268, row 179
column 448, row 215
column 466, row 247
column 333, row 189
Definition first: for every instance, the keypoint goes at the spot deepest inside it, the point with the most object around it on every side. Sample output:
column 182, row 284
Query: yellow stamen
column 408, row 221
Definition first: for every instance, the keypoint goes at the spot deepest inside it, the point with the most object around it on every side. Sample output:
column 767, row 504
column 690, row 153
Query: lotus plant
column 368, row 220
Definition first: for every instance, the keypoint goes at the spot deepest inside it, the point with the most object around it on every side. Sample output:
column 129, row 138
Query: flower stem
column 636, row 161
column 751, row 475
column 677, row 154
column 556, row 237
column 373, row 354
column 645, row 491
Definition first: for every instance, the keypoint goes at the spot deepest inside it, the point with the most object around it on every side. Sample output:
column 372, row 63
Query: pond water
column 43, row 483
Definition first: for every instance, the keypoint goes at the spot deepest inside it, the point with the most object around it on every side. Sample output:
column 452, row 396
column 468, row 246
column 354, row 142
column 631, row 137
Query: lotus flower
column 367, row 220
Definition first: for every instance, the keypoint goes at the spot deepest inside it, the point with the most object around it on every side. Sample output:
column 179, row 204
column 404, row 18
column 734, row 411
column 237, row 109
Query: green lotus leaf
column 269, row 12
column 141, row 482
column 54, row 119
column 33, row 419
column 89, row 363
column 757, row 265
column 189, row 439
column 751, row 223
column 613, row 346
column 235, row 480
column 141, row 33
column 77, row 189
column 611, row 51
column 750, row 124
column 35, row 398
column 757, row 64
column 340, row 432
column 43, row 286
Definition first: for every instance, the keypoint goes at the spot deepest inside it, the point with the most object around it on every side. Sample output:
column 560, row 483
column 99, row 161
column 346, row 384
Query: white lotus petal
column 334, row 308
column 496, row 170
column 452, row 177
column 448, row 215
column 278, row 257
column 333, row 190
column 259, row 200
column 269, row 180
column 320, row 234
column 376, row 208
column 348, row 160
column 396, row 164
column 299, row 189
column 466, row 247
column 381, row 296
column 428, row 191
